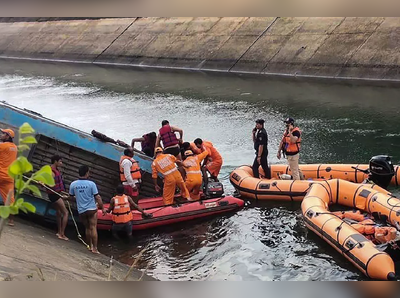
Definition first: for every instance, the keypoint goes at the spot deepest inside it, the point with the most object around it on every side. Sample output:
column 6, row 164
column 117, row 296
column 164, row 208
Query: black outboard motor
column 214, row 190
column 381, row 170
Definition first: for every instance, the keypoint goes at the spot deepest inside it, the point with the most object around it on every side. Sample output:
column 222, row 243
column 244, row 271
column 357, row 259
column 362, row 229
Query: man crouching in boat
column 194, row 179
column 130, row 174
column 86, row 194
column 121, row 207
column 166, row 165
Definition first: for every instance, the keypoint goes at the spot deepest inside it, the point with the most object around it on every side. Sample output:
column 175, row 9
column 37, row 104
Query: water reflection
column 344, row 123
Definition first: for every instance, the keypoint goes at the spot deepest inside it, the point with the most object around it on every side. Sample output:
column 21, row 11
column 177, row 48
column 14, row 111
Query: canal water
column 342, row 122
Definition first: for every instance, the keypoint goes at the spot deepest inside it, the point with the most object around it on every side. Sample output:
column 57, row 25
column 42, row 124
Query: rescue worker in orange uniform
column 194, row 178
column 213, row 162
column 166, row 165
column 121, row 207
column 290, row 146
column 130, row 174
column 195, row 149
column 8, row 154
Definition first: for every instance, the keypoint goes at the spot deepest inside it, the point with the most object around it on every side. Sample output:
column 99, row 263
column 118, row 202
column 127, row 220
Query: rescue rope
column 76, row 226
column 69, row 207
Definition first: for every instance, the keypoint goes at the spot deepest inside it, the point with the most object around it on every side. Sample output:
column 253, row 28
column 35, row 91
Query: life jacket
column 353, row 215
column 148, row 143
column 168, row 138
column 58, row 180
column 164, row 164
column 122, row 210
column 135, row 169
column 291, row 148
column 385, row 234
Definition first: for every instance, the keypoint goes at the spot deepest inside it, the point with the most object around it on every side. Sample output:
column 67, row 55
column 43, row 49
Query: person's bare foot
column 63, row 238
column 95, row 251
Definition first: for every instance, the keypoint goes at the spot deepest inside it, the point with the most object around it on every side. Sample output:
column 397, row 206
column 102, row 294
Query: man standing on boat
column 56, row 199
column 8, row 154
column 260, row 140
column 85, row 193
column 121, row 207
column 130, row 174
column 171, row 143
column 166, row 165
column 290, row 146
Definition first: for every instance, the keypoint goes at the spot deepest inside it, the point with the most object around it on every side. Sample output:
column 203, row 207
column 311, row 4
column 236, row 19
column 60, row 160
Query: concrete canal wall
column 337, row 47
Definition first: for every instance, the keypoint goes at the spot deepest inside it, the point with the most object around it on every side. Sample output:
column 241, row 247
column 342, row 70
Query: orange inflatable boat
column 263, row 189
column 354, row 173
column 380, row 171
column 375, row 260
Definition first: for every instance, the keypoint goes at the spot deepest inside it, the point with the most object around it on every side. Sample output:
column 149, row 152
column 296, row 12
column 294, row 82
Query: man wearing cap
column 290, row 146
column 193, row 173
column 166, row 165
column 260, row 140
column 8, row 154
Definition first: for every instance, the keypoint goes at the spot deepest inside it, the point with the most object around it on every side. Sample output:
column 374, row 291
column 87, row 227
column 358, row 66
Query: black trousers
column 264, row 165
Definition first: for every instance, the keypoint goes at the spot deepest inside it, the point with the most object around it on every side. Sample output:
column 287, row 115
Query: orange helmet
column 158, row 150
column 189, row 153
column 10, row 132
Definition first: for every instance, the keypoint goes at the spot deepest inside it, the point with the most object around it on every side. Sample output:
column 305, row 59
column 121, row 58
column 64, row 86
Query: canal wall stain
column 334, row 47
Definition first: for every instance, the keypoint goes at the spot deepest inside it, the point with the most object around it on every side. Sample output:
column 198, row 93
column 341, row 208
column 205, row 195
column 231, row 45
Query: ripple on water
column 266, row 241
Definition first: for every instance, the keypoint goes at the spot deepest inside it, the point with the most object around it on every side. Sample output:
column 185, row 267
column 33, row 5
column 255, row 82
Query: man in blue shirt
column 86, row 194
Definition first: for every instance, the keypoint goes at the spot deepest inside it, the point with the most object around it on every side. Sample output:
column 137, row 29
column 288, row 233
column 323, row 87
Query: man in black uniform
column 260, row 139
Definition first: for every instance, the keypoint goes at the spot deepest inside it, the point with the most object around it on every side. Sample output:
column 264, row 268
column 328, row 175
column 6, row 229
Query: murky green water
column 341, row 123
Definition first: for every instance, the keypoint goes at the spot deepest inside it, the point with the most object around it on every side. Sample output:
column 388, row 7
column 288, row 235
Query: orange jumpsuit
column 194, row 149
column 214, row 166
column 8, row 154
column 194, row 178
column 165, row 164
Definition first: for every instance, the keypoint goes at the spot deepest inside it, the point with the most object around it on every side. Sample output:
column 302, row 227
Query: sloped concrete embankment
column 29, row 252
column 350, row 47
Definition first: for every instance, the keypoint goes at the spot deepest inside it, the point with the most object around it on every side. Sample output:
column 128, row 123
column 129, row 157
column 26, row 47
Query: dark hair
column 152, row 135
column 186, row 145
column 120, row 189
column 165, row 122
column 55, row 158
column 198, row 142
column 128, row 152
column 83, row 170
column 260, row 121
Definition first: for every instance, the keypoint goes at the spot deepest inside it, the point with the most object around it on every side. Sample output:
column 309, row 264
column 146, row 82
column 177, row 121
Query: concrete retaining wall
column 333, row 47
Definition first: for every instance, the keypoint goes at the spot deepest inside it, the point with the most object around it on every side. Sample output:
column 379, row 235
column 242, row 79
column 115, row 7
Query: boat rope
column 76, row 226
column 69, row 207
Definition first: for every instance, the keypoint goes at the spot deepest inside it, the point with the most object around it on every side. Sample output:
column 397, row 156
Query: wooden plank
column 104, row 172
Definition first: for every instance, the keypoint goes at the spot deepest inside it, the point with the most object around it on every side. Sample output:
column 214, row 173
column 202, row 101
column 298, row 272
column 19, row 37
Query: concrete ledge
column 314, row 47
